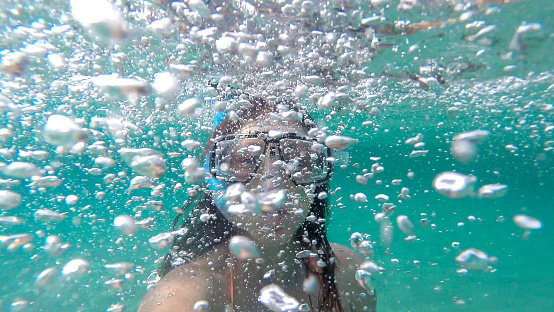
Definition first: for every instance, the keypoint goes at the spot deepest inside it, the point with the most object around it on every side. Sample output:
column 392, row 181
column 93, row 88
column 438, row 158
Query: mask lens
column 236, row 159
column 306, row 159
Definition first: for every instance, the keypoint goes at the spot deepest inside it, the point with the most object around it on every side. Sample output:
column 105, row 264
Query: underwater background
column 425, row 69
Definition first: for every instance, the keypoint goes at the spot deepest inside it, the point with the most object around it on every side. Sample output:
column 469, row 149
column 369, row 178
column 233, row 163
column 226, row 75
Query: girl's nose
column 271, row 173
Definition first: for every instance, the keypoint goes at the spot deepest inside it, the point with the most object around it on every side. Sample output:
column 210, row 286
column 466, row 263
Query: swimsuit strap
column 232, row 288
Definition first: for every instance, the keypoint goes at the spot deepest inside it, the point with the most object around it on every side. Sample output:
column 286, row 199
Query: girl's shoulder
column 186, row 285
column 179, row 290
column 347, row 262
column 346, row 257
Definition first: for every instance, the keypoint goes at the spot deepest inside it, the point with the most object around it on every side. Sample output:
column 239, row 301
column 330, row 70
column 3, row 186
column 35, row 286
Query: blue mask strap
column 219, row 116
column 214, row 184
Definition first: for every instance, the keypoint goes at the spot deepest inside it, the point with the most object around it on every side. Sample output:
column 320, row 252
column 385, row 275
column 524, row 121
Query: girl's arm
column 179, row 290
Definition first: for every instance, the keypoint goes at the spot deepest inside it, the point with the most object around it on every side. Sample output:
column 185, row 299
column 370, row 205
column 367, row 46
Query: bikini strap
column 232, row 289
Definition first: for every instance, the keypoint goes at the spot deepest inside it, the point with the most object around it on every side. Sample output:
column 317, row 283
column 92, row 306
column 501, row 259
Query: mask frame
column 268, row 140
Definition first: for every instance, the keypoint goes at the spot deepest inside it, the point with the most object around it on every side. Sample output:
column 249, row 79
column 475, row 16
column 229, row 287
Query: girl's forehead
column 273, row 125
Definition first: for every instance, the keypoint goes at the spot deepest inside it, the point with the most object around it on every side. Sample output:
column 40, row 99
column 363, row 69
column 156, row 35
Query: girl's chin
column 267, row 226
column 259, row 221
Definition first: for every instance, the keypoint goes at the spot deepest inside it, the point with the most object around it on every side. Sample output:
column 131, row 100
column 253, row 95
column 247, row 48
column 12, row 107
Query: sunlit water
column 433, row 68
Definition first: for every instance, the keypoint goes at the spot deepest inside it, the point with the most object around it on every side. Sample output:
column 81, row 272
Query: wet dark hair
column 197, row 238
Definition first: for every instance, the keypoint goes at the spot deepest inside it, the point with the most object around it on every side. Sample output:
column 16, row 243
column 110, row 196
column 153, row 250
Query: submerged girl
column 255, row 239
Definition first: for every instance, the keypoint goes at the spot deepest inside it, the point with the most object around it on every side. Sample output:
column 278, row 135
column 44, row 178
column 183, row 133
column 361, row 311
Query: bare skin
column 184, row 286
column 209, row 278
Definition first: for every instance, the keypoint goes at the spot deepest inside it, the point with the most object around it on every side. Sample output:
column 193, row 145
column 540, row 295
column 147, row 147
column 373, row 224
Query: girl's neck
column 276, row 264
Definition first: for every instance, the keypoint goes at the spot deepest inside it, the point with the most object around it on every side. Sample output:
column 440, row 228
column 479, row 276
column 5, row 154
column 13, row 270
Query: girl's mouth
column 277, row 217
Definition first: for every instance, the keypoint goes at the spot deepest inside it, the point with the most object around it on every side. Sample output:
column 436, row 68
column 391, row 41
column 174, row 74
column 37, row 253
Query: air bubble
column 201, row 306
column 474, row 260
column 9, row 200
column 75, row 267
column 275, row 299
column 454, row 185
column 47, row 216
column 125, row 224
column 493, row 190
column 243, row 248
column 340, row 142
column 360, row 198
column 61, row 131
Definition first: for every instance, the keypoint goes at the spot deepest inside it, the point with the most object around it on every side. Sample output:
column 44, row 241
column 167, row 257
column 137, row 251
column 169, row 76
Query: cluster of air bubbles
column 362, row 244
column 15, row 241
column 77, row 267
column 366, row 280
column 323, row 65
column 101, row 18
column 144, row 161
column 418, row 144
column 193, row 171
column 456, row 185
column 237, row 200
column 161, row 240
column 366, row 275
column 118, row 87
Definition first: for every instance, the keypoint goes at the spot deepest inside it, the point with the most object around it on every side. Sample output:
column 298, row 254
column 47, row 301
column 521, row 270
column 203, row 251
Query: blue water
column 510, row 102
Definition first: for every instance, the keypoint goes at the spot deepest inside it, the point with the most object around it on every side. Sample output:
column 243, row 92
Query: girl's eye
column 242, row 151
column 244, row 160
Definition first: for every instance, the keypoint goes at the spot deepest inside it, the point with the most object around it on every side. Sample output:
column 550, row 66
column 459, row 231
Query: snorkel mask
column 235, row 159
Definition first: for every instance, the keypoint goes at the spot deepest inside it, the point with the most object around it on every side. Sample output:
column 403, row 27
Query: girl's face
column 281, row 223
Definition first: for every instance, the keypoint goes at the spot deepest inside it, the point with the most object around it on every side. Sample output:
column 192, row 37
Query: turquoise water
column 513, row 103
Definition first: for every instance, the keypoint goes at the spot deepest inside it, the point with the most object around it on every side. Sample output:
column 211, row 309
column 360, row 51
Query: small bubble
column 201, row 306
column 75, row 267
column 243, row 248
column 125, row 224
